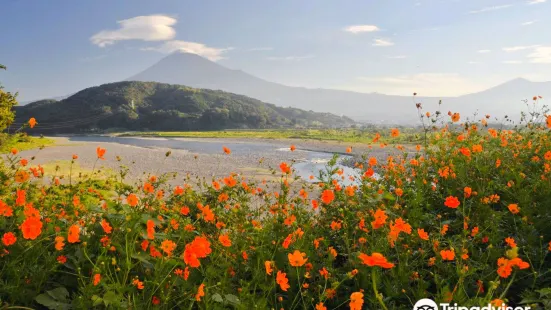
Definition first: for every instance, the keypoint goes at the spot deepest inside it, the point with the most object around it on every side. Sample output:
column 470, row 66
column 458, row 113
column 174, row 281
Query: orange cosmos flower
column 349, row 149
column 24, row 162
column 467, row 191
column 285, row 168
column 21, row 176
column 21, row 195
column 356, row 301
column 452, row 202
column 297, row 259
column 327, row 196
column 59, row 244
column 225, row 240
column 268, row 266
column 380, row 219
column 150, row 229
column 447, row 254
column 132, row 200
column 548, row 121
column 513, row 208
column 9, row 238
column 97, row 278
column 511, row 242
column 200, row 292
column 74, row 234
column 31, row 227
column 394, row 132
column 100, row 152
column 320, row 306
column 281, row 279
column 376, row 259
column 32, row 122
column 168, row 246
column 456, row 117
column 138, row 284
column 292, row 148
column 226, row 150
column 106, row 227
column 422, row 234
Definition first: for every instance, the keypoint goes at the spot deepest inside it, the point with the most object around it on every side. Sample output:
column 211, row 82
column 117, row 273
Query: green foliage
column 7, row 102
column 156, row 106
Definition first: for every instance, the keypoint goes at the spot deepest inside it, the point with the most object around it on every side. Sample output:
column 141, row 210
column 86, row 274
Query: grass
column 22, row 143
column 333, row 135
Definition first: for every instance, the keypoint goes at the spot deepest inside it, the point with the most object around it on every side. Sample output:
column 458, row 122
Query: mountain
column 135, row 105
column 195, row 71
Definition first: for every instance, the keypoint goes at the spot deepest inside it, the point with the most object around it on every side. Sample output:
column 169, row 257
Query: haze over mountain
column 195, row 71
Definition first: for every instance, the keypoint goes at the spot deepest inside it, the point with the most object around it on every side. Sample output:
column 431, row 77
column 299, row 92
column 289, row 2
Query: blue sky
column 434, row 47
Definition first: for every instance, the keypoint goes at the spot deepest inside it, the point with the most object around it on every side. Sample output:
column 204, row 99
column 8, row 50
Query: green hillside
column 155, row 106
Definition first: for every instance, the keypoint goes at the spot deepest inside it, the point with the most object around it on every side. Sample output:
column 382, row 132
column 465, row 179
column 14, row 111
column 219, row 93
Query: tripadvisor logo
column 429, row 304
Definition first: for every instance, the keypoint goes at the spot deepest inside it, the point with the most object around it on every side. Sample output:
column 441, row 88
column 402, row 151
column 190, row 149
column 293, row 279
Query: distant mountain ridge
column 133, row 105
column 195, row 71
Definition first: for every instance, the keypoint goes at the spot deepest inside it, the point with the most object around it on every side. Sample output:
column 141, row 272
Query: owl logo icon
column 425, row 304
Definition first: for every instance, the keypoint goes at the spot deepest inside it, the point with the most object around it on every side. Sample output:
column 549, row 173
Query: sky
column 433, row 47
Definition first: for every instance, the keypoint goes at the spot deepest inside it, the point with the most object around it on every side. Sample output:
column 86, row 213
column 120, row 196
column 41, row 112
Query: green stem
column 508, row 286
column 377, row 294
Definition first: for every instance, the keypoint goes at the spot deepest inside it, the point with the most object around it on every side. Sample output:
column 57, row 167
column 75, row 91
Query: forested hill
column 143, row 106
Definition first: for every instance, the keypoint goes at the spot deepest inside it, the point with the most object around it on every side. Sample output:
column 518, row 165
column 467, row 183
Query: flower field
column 464, row 219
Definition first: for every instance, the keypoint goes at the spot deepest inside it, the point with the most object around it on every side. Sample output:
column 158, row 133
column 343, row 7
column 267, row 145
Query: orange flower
column 59, row 244
column 320, row 306
column 21, row 176
column 225, row 240
column 422, row 234
column 226, row 150
column 297, row 259
column 106, row 227
column 285, row 168
column 467, row 191
column 548, row 121
column 132, row 200
column 268, row 266
column 447, row 254
column 74, row 234
column 32, row 122
column 100, row 152
column 97, row 278
column 324, row 273
column 138, row 284
column 168, row 246
column 200, row 292
column 21, row 195
column 9, row 238
column 452, row 202
column 455, row 117
column 356, row 301
column 498, row 303
column 281, row 279
column 150, row 229
column 327, row 196
column 376, row 259
column 511, row 242
column 349, row 149
column 292, row 148
column 380, row 219
column 513, row 208
column 31, row 227
column 394, row 132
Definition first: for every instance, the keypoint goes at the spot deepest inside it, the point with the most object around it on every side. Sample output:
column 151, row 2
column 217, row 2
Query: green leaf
column 217, row 297
column 111, row 298
column 59, row 294
column 232, row 299
column 142, row 257
column 96, row 300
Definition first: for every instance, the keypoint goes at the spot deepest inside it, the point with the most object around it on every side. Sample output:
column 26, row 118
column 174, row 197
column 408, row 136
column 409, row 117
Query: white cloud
column 484, row 51
column 260, row 49
column 536, row 1
column 200, row 49
column 519, row 48
column 146, row 28
column 474, row 62
column 397, row 57
column 529, row 23
column 361, row 28
column 426, row 84
column 491, row 8
column 381, row 42
column 512, row 62
column 290, row 58
column 541, row 55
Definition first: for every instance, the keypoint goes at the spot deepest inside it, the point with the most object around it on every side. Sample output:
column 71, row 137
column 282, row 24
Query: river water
column 308, row 162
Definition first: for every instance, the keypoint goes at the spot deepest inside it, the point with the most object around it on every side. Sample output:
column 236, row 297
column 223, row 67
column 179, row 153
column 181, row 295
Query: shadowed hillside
column 156, row 106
